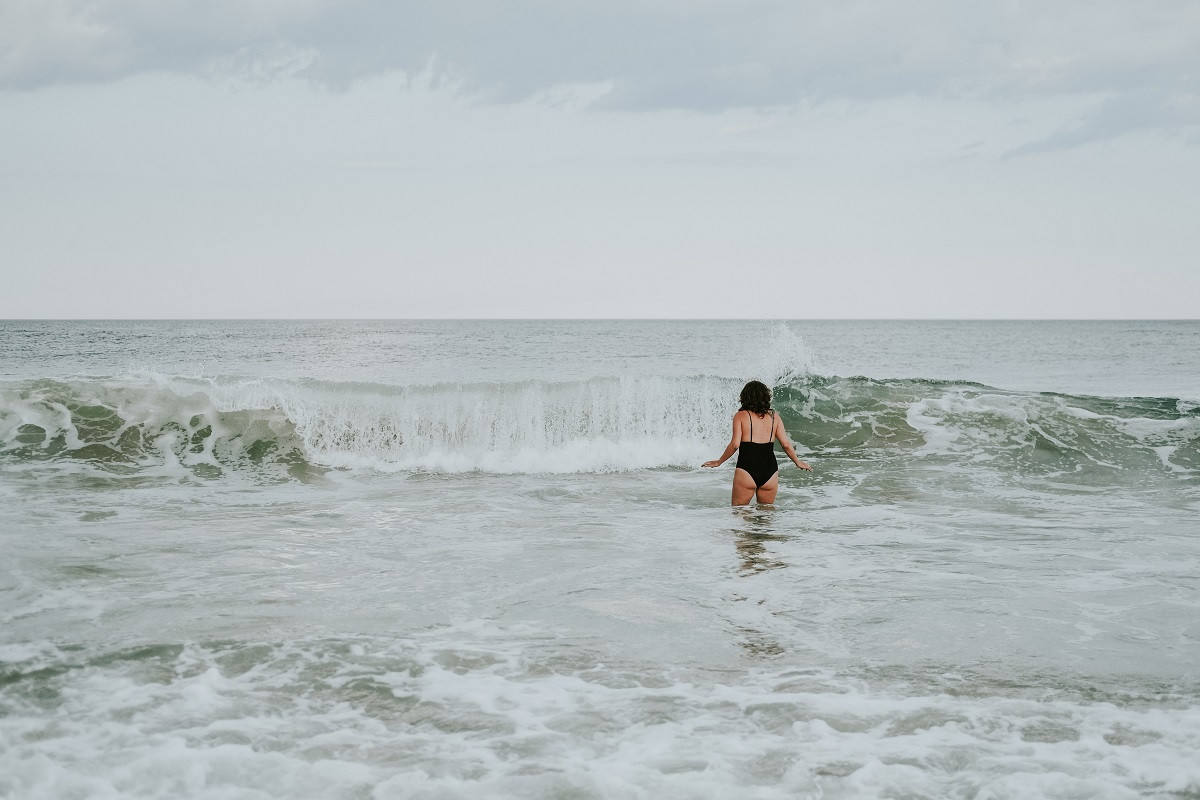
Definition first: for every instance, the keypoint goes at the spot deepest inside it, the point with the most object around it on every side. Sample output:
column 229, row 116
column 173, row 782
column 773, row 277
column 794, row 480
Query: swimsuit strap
column 750, row 414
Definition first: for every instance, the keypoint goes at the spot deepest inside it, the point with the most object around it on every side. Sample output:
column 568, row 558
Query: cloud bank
column 1141, row 61
column 357, row 158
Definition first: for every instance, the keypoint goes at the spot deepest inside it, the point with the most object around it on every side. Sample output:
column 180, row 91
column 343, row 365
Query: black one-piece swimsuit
column 758, row 458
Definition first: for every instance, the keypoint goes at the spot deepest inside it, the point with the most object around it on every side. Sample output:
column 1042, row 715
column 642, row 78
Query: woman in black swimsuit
column 757, row 471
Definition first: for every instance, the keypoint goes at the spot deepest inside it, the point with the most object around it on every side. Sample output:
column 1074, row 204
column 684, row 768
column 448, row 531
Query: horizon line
column 599, row 319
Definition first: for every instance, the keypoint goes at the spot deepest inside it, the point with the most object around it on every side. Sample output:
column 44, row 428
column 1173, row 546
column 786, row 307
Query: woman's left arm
column 782, row 435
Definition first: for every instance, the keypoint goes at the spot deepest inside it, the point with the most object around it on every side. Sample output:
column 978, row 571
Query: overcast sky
column 662, row 158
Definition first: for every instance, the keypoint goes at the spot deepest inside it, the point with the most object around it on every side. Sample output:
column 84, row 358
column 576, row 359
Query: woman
column 754, row 432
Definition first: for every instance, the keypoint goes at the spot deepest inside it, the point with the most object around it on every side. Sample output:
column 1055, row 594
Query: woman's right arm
column 781, row 432
column 735, row 441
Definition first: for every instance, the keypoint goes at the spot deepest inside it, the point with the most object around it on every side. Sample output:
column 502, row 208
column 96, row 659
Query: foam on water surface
column 444, row 560
column 206, row 426
column 477, row 711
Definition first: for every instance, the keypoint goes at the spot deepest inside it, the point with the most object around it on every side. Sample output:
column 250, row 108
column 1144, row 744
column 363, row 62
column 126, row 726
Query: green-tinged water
column 378, row 559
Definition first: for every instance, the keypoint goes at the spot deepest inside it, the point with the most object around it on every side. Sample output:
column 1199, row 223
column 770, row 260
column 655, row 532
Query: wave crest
column 586, row 426
column 152, row 422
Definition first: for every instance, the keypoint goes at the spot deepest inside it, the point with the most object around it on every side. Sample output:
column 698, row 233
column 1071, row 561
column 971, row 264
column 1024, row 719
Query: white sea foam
column 1005, row 612
column 590, row 426
column 166, row 423
column 966, row 418
column 463, row 712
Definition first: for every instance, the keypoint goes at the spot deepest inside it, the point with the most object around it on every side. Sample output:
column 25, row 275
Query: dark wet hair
column 756, row 398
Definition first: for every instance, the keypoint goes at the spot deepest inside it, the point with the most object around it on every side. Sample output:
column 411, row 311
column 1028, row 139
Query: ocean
column 479, row 559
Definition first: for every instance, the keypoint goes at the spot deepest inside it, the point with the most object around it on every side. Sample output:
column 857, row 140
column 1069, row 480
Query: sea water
column 479, row 559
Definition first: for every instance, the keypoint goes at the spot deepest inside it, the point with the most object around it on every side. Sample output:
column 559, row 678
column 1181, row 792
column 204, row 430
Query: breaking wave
column 152, row 422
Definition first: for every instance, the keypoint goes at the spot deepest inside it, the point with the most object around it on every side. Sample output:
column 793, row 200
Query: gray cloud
column 694, row 55
column 1119, row 114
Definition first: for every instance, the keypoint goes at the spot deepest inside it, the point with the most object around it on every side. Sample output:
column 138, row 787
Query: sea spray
column 599, row 425
column 784, row 357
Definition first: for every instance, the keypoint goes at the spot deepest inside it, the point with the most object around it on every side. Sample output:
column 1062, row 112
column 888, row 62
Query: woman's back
column 756, row 429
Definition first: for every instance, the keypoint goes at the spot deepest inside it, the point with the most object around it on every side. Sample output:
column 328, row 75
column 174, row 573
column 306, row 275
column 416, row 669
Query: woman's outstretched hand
column 713, row 463
column 803, row 465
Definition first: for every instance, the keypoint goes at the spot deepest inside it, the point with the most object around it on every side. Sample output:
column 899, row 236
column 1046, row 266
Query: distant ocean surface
column 480, row 560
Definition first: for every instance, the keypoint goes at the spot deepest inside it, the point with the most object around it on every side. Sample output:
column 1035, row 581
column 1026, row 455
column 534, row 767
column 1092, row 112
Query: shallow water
column 380, row 559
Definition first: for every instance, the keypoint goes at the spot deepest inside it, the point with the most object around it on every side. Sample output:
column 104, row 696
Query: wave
column 969, row 423
column 152, row 422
